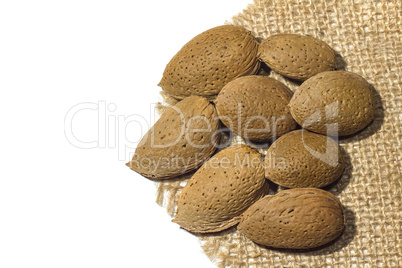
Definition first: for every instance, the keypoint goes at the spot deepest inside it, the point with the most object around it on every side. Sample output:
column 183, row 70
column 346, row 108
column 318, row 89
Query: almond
column 256, row 108
column 209, row 61
column 294, row 219
column 334, row 103
column 296, row 56
column 221, row 190
column 302, row 159
column 180, row 141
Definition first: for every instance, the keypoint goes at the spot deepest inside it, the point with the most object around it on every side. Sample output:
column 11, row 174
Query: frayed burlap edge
column 367, row 38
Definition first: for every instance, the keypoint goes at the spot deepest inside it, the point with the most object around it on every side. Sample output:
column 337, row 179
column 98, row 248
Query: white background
column 63, row 206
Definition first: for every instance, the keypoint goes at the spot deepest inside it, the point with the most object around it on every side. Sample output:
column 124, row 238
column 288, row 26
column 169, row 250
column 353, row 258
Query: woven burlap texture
column 367, row 37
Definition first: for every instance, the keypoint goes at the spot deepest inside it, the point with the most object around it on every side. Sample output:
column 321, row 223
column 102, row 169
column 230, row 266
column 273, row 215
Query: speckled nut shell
column 296, row 56
column 221, row 190
column 294, row 219
column 334, row 103
column 301, row 159
column 256, row 108
column 180, row 141
column 209, row 61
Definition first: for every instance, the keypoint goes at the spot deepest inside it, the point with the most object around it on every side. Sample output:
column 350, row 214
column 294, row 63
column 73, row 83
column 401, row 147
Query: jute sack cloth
column 367, row 37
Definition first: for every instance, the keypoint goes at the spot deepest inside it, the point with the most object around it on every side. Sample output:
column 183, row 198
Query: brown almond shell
column 297, row 56
column 209, row 61
column 302, row 218
column 221, row 190
column 256, row 108
column 334, row 103
column 180, row 141
column 301, row 159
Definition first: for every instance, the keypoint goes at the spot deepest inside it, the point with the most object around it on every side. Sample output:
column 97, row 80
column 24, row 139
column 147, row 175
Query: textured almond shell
column 221, row 190
column 246, row 102
column 209, row 61
column 296, row 56
column 294, row 219
column 301, row 159
column 174, row 146
column 334, row 103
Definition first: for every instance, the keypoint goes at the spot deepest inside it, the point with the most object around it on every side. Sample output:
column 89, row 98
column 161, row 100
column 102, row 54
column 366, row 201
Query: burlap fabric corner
column 367, row 36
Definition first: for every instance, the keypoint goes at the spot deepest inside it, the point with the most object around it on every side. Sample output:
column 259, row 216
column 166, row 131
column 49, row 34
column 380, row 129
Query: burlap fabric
column 367, row 36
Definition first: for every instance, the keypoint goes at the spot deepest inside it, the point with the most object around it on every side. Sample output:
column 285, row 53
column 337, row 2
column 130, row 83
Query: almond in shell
column 302, row 218
column 334, row 103
column 297, row 56
column 180, row 141
column 221, row 190
column 301, row 159
column 256, row 108
column 209, row 61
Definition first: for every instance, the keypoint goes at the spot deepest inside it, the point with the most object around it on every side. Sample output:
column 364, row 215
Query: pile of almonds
column 214, row 77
